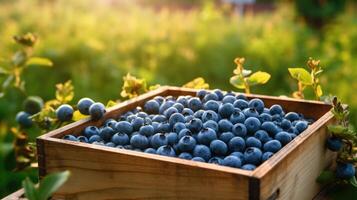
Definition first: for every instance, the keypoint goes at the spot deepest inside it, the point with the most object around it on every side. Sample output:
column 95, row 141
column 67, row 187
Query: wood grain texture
column 108, row 173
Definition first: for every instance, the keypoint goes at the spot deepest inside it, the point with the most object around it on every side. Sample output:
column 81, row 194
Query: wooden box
column 99, row 172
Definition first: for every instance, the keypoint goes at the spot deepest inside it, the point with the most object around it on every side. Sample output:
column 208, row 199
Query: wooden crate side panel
column 293, row 176
column 99, row 174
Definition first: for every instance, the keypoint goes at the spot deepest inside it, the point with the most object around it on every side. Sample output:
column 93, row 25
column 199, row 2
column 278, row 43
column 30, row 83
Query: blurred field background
column 96, row 42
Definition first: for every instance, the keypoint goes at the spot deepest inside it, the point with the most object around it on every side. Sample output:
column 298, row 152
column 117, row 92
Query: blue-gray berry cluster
column 213, row 126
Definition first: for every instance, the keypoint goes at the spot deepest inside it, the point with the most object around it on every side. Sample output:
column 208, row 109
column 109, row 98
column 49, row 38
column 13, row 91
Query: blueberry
column 170, row 111
column 272, row 146
column 84, row 104
column 198, row 159
column 139, row 141
column 218, row 147
column 178, row 127
column 179, row 107
column 158, row 140
column 128, row 146
column 172, row 138
column 253, row 142
column 71, row 138
column 270, row 127
column 292, row 135
column 225, row 125
column 142, row 115
column 249, row 167
column 110, row 144
column 185, row 155
column 111, row 123
column 124, row 127
column 283, row 137
column 292, row 116
column 130, row 118
column 202, row 151
column 94, row 138
column 23, row 118
column 241, row 104
column 201, row 93
column 206, row 136
column 184, row 132
column 345, row 170
column 150, row 150
column 120, row 147
column 266, row 156
column 152, row 107
column 250, row 112
column 33, row 104
column 226, row 110
column 175, row 118
column 82, row 138
column 198, row 114
column 106, row 133
column 239, row 130
column 90, row 130
column 137, row 123
column 120, row 139
column 226, row 136
column 187, row 112
column 210, row 96
column 97, row 110
column 334, row 143
column 159, row 118
column 189, row 118
column 262, row 135
column 239, row 155
column 229, row 99
column 232, row 161
column 237, row 116
column 147, row 130
column 209, row 115
column 241, row 96
column 275, row 109
column 236, row 144
column 253, row 155
column 211, row 105
column 186, row 144
column 211, row 124
column 266, row 110
column 166, row 151
column 230, row 93
column 285, row 124
column 194, row 104
column 182, row 100
column 64, row 113
column 216, row 160
column 264, row 117
column 252, row 124
column 219, row 94
column 194, row 125
column 301, row 126
column 159, row 99
column 277, row 118
column 258, row 104
column 165, row 106
column 101, row 143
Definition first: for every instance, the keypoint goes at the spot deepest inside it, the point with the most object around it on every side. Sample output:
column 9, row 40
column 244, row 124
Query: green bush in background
column 95, row 43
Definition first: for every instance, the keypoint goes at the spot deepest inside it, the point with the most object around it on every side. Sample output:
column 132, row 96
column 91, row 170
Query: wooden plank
column 292, row 172
column 104, row 173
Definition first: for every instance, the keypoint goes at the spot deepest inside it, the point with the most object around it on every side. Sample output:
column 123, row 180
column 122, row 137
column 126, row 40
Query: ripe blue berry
column 139, row 141
column 252, row 124
column 71, row 138
column 270, row 127
column 150, row 150
column 159, row 118
column 292, row 116
column 158, row 140
column 334, row 143
column 159, row 99
column 94, row 138
column 178, row 127
column 84, row 104
column 166, row 151
column 345, row 170
column 211, row 124
column 90, row 130
column 253, row 142
column 236, row 144
column 106, row 133
column 272, row 146
column 184, row 132
column 202, row 151
column 264, row 117
column 239, row 130
column 137, row 123
column 179, row 107
column 186, row 144
column 210, row 96
column 250, row 112
column 97, row 110
column 170, row 111
column 185, row 155
column 225, row 125
column 152, row 107
column 301, row 126
column 110, row 144
column 33, row 104
column 283, row 137
column 172, row 138
column 175, row 118
column 206, row 136
column 194, row 125
column 64, row 113
column 198, row 114
column 120, row 139
column 147, row 130
column 23, row 118
column 165, row 106
column 124, row 127
column 262, row 135
column 275, row 109
column 226, row 136
column 285, row 124
column 216, row 160
column 249, row 167
column 187, row 112
column 82, row 138
column 194, row 104
column 237, row 116
column 201, row 93
column 239, row 155
column 253, row 155
column 218, row 147
column 257, row 104
column 211, row 105
column 209, row 115
column 229, row 99
column 182, row 100
column 232, row 161
column 225, row 110
column 266, row 156
column 241, row 104
column 198, row 159
column 219, row 94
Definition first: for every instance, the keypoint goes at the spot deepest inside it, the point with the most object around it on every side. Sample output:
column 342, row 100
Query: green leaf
column 246, row 72
column 337, row 128
column 78, row 116
column 237, row 81
column 301, row 75
column 353, row 181
column 64, row 92
column 259, row 78
column 325, row 177
column 52, row 183
column 38, row 61
column 30, row 190
column 111, row 103
column 3, row 71
column 197, row 83
column 19, row 58
column 7, row 82
column 319, row 92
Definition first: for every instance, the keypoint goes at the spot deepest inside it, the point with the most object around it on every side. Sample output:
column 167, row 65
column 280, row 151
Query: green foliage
column 197, row 83
column 243, row 79
column 47, row 186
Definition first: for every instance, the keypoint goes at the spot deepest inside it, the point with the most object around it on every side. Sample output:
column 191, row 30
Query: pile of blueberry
column 214, row 127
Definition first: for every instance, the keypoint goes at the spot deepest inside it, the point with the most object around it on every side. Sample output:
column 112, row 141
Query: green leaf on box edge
column 78, row 116
column 325, row 177
column 301, row 75
column 258, row 77
column 237, row 81
column 38, row 61
column 51, row 184
column 336, row 128
column 353, row 181
column 30, row 189
column 111, row 103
